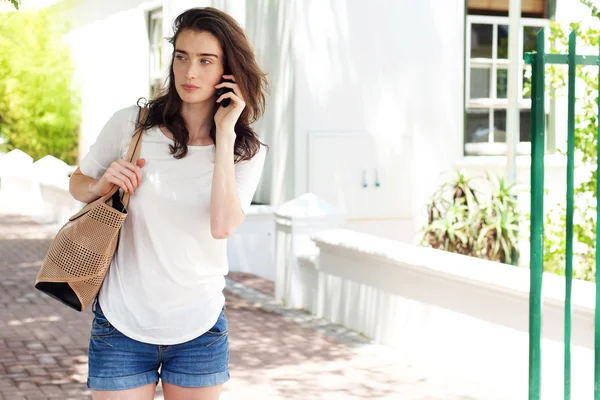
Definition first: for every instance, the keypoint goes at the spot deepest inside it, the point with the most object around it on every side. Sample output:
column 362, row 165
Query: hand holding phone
column 221, row 91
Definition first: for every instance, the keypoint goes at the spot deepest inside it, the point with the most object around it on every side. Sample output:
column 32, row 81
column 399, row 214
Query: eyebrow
column 198, row 54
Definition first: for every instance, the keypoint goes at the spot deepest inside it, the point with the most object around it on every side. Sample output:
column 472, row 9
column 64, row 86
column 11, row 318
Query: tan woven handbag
column 81, row 253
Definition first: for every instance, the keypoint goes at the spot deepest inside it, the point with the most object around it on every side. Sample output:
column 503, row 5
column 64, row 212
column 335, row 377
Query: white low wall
column 460, row 316
column 39, row 190
column 251, row 248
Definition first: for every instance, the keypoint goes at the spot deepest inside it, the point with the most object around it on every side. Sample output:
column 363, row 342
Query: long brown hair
column 238, row 61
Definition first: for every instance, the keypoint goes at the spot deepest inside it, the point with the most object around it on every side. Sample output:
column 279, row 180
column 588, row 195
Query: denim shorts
column 117, row 362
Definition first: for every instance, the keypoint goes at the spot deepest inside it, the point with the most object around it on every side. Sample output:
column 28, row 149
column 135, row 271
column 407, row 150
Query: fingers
column 122, row 180
column 234, row 98
column 232, row 85
column 134, row 171
column 125, row 174
column 117, row 181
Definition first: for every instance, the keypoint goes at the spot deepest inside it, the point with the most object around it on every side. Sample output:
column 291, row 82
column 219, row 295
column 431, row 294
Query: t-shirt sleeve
column 247, row 176
column 109, row 144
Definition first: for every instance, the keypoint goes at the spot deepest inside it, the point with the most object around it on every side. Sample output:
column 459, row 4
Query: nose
column 190, row 73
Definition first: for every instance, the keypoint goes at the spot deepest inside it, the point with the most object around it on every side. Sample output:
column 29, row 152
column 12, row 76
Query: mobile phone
column 222, row 91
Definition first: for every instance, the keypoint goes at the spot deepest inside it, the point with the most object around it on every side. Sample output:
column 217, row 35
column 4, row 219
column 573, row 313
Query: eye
column 205, row 61
column 180, row 57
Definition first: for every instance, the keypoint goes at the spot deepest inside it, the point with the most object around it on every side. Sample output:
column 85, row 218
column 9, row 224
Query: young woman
column 160, row 311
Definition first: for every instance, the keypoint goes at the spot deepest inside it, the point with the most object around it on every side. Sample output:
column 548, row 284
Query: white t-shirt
column 165, row 284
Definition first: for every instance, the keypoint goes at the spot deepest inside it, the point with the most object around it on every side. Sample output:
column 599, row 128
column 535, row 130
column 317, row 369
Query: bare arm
column 226, row 212
column 79, row 187
column 124, row 174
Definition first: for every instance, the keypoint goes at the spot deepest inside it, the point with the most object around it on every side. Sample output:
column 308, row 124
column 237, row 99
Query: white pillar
column 295, row 222
column 514, row 69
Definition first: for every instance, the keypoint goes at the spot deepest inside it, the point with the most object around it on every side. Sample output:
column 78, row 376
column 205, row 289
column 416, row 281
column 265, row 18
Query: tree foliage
column 39, row 107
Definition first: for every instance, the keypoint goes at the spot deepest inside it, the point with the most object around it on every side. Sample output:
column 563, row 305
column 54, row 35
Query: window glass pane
column 481, row 41
column 502, row 41
column 478, row 125
column 480, row 83
column 529, row 38
column 525, row 126
column 501, row 83
column 499, row 126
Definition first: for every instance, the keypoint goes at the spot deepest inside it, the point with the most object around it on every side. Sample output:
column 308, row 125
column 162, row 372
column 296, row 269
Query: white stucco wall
column 393, row 70
column 109, row 43
column 376, row 85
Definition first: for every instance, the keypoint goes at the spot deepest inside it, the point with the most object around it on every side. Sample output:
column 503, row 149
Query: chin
column 191, row 98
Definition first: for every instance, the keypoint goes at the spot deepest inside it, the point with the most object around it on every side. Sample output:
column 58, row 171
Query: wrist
column 92, row 189
column 226, row 135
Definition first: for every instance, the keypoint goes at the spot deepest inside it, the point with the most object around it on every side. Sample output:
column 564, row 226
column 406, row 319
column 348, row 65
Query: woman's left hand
column 226, row 117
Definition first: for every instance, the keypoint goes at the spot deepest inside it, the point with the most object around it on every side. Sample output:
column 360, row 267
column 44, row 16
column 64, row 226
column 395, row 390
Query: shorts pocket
column 220, row 327
column 100, row 325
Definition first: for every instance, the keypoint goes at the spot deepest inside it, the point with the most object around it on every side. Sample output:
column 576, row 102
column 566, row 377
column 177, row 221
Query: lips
column 190, row 88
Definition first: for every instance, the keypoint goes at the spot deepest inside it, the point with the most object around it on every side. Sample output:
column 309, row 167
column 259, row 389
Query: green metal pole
column 537, row 219
column 570, row 179
column 597, row 312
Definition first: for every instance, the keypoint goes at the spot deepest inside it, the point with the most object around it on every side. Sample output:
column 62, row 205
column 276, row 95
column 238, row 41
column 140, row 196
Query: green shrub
column 465, row 221
column 586, row 144
column 39, row 108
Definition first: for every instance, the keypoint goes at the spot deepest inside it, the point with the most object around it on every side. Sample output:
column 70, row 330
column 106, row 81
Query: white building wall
column 377, row 85
column 109, row 43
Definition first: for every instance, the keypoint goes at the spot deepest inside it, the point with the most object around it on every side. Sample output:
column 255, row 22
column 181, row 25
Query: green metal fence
column 538, row 61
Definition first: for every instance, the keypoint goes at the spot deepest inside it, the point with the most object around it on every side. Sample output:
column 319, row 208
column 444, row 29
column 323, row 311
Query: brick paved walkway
column 275, row 353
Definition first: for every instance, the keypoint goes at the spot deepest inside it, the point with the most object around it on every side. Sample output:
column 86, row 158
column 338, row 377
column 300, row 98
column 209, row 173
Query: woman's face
column 197, row 66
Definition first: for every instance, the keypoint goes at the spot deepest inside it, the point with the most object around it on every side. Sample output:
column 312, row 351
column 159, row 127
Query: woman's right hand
column 126, row 175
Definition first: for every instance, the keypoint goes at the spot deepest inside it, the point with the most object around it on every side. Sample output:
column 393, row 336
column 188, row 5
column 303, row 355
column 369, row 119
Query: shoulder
column 124, row 122
column 127, row 115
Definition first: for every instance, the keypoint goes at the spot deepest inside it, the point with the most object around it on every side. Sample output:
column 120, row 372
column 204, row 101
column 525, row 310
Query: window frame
column 155, row 50
column 493, row 64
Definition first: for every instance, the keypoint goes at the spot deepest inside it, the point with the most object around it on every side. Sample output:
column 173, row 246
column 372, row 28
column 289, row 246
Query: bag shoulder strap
column 135, row 147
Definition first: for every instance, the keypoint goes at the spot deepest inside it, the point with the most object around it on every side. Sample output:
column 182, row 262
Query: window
column 155, row 32
column 487, row 80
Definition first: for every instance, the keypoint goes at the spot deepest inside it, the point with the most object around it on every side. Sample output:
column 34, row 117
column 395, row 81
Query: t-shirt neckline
column 171, row 141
